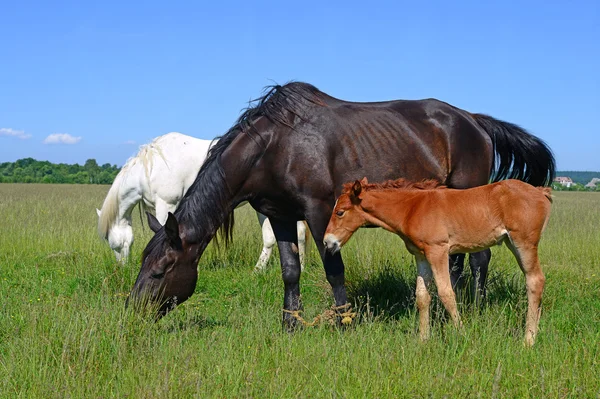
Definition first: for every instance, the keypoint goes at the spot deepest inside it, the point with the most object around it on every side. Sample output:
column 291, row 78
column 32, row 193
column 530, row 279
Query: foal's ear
column 153, row 222
column 98, row 212
column 364, row 181
column 172, row 231
column 356, row 190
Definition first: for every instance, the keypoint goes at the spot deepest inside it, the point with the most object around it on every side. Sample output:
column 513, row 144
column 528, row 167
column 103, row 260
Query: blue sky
column 83, row 80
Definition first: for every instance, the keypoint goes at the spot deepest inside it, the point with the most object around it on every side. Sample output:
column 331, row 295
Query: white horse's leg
column 162, row 209
column 301, row 242
column 125, row 253
column 268, row 242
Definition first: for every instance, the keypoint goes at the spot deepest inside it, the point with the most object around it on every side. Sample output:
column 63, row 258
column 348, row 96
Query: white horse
column 157, row 178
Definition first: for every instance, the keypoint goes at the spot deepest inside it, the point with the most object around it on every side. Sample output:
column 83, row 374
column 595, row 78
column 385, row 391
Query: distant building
column 564, row 181
column 592, row 183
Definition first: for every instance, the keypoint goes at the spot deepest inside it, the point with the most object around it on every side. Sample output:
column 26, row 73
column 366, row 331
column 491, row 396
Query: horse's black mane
column 205, row 207
column 274, row 103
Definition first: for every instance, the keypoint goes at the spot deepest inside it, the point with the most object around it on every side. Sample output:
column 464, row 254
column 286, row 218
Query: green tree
column 92, row 169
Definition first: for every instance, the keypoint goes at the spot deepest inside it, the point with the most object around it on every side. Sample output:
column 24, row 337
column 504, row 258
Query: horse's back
column 174, row 164
column 415, row 139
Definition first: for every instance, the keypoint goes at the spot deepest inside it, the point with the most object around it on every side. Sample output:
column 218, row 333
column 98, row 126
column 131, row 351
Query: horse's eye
column 340, row 213
column 158, row 276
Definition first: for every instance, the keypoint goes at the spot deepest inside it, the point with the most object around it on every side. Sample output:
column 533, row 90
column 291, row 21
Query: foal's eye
column 340, row 213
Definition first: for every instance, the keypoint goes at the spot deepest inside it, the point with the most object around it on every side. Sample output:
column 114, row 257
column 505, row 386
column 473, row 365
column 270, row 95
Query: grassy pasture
column 64, row 331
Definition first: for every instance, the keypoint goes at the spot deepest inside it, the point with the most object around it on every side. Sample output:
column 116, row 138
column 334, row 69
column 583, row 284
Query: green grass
column 64, row 331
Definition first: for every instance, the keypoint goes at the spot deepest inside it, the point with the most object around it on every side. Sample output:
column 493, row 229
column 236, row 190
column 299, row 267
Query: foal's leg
column 437, row 256
column 422, row 295
column 527, row 256
column 286, row 235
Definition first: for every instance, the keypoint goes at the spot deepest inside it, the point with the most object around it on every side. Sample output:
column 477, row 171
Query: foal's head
column 347, row 216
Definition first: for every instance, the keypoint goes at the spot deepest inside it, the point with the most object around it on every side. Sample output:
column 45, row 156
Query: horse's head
column 346, row 218
column 119, row 237
column 169, row 267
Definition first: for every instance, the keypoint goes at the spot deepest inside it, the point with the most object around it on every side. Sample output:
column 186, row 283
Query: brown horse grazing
column 435, row 221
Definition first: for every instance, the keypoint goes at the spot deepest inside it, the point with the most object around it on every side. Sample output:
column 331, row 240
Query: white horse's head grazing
column 119, row 237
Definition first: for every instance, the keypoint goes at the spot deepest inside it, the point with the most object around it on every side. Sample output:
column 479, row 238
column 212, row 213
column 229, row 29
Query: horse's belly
column 477, row 242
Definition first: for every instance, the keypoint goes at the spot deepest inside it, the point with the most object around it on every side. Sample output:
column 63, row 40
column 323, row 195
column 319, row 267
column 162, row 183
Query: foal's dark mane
column 206, row 205
column 401, row 183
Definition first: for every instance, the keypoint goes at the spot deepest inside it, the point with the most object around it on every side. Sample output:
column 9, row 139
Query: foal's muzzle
column 332, row 244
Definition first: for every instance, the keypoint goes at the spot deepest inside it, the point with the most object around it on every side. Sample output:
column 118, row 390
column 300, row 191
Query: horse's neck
column 390, row 209
column 131, row 192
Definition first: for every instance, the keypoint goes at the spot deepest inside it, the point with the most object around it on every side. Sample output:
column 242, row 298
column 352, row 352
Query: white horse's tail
column 110, row 207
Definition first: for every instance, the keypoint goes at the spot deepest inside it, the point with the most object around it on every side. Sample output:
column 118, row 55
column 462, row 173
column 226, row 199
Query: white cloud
column 129, row 142
column 6, row 131
column 61, row 138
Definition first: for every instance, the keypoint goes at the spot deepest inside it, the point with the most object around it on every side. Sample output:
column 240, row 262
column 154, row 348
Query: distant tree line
column 29, row 170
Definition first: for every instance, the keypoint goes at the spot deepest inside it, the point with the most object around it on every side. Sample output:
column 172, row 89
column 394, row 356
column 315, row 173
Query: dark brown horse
column 289, row 156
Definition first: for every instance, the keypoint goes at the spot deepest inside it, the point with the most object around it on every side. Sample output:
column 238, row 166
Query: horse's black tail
column 517, row 153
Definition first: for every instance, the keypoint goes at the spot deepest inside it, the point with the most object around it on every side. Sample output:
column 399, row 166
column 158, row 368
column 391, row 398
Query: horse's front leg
column 334, row 266
column 287, row 241
column 162, row 209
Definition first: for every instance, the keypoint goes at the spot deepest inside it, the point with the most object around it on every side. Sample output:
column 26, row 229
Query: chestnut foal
column 435, row 221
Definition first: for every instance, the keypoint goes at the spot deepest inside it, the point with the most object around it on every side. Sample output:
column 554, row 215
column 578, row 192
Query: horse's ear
column 172, row 231
column 364, row 181
column 153, row 222
column 98, row 212
column 355, row 192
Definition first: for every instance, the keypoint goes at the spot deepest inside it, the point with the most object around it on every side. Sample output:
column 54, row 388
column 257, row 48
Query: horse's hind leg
column 527, row 257
column 422, row 296
column 479, row 262
column 457, row 264
column 437, row 256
